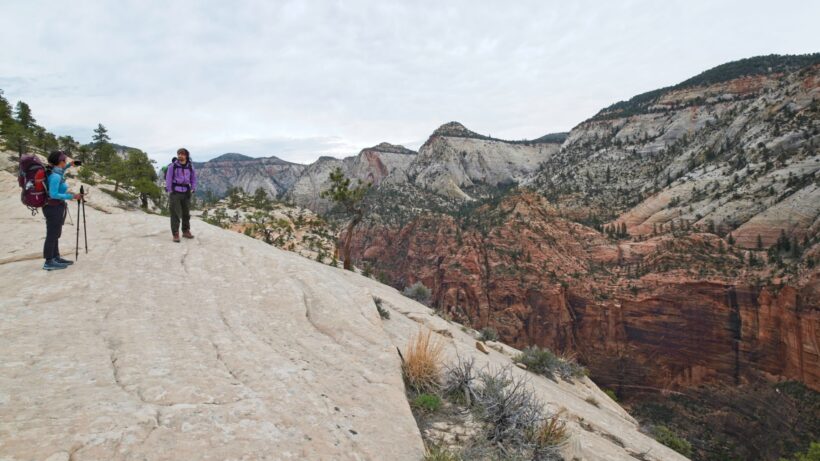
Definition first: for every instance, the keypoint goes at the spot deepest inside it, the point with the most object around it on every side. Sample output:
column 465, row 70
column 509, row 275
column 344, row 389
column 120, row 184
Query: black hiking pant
column 55, row 217
column 180, row 205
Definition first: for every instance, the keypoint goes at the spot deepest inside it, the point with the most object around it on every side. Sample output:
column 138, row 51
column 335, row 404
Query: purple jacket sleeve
column 193, row 178
column 169, row 178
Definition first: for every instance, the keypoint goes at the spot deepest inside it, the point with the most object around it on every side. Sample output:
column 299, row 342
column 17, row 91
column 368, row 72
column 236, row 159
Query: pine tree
column 140, row 174
column 796, row 251
column 67, row 144
column 117, row 170
column 24, row 117
column 783, row 241
column 100, row 135
column 5, row 108
column 17, row 137
column 260, row 197
column 350, row 199
column 759, row 242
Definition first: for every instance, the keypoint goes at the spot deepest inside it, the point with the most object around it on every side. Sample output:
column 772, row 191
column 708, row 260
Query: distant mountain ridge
column 452, row 159
column 749, row 67
column 231, row 157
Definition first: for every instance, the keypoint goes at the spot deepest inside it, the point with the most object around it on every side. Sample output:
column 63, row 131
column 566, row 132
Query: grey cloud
column 162, row 74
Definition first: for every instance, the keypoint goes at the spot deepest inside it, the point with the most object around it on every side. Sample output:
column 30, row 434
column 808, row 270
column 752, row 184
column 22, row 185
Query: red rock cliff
column 663, row 313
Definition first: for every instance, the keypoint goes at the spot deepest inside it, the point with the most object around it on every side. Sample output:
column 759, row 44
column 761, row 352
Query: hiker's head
column 183, row 155
column 57, row 158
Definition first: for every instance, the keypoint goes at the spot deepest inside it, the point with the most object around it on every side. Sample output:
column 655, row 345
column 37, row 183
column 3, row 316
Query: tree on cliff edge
column 350, row 199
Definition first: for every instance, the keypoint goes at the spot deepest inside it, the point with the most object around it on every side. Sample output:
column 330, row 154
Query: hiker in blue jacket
column 55, row 210
column 180, row 183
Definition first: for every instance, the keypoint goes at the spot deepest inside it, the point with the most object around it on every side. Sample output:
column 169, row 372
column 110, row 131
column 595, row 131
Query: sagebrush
column 545, row 362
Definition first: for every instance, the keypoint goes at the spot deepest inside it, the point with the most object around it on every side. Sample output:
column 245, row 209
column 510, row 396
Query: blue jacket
column 57, row 188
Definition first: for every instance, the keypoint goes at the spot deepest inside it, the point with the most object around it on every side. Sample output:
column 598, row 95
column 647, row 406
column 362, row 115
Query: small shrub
column 488, row 334
column 812, row 454
column 86, row 176
column 544, row 362
column 429, row 403
column 383, row 313
column 366, row 271
column 611, row 394
column 438, row 453
column 515, row 424
column 422, row 362
column 121, row 196
column 419, row 292
column 460, row 382
column 508, row 405
column 593, row 401
column 665, row 436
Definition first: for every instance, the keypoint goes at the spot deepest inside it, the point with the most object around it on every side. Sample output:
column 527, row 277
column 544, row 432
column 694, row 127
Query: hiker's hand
column 78, row 197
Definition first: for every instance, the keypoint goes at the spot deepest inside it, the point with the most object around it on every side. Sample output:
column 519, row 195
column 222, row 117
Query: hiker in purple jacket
column 180, row 183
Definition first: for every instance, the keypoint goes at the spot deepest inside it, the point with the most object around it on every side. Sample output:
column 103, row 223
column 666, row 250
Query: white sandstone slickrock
column 219, row 348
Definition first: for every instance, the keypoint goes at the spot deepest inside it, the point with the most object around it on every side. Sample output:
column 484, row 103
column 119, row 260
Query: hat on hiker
column 56, row 157
column 183, row 150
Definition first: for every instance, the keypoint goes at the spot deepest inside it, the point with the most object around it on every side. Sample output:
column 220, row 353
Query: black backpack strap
column 174, row 173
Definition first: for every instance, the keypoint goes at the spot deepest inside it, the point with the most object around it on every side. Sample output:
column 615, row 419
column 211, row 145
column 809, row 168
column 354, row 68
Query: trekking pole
column 77, row 244
column 85, row 230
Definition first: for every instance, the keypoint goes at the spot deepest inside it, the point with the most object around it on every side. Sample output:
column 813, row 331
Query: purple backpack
column 32, row 179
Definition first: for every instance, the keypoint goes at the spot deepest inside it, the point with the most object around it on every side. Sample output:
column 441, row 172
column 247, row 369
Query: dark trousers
column 180, row 205
column 55, row 217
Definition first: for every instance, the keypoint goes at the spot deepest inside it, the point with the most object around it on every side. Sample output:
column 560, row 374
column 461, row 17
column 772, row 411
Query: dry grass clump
column 422, row 362
column 549, row 436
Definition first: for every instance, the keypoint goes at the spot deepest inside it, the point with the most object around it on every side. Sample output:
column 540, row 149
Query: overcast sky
column 301, row 79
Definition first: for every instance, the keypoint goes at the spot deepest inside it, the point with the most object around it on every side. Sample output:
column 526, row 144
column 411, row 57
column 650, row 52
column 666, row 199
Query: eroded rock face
column 372, row 165
column 739, row 155
column 634, row 311
column 455, row 159
column 274, row 175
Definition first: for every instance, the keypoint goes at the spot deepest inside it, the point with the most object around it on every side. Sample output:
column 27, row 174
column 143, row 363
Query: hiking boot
column 66, row 262
column 176, row 238
column 187, row 234
column 53, row 265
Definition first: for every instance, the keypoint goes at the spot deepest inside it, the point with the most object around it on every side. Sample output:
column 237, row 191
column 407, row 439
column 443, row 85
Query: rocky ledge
column 223, row 347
